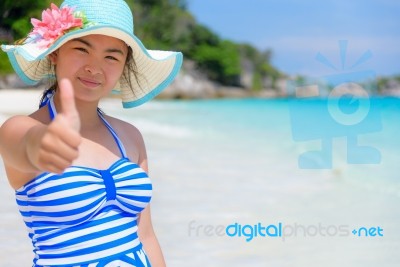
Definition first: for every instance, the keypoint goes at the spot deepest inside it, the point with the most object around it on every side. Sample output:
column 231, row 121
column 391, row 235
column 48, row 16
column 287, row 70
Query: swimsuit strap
column 53, row 113
column 46, row 97
column 114, row 134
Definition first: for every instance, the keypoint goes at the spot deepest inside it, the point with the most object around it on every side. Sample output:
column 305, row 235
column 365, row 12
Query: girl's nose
column 93, row 69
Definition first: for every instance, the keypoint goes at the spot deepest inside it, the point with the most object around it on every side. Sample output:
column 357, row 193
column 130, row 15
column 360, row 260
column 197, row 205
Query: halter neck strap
column 49, row 101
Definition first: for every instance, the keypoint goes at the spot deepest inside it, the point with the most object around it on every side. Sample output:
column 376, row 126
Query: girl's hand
column 58, row 143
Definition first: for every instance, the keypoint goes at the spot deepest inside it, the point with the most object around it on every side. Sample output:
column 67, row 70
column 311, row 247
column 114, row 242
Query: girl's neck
column 88, row 112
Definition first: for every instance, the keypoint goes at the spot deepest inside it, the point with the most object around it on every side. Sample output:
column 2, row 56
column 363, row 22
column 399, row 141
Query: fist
column 60, row 140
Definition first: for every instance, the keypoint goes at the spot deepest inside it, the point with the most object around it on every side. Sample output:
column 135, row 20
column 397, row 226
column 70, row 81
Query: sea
column 263, row 182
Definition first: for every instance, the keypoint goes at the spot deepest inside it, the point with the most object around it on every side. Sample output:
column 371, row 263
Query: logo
column 335, row 106
column 281, row 230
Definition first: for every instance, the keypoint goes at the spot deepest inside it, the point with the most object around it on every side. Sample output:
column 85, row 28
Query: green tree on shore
column 15, row 23
column 15, row 16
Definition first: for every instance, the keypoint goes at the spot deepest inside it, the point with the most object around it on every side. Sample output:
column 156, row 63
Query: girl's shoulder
column 125, row 130
column 121, row 125
column 132, row 139
column 38, row 116
column 22, row 122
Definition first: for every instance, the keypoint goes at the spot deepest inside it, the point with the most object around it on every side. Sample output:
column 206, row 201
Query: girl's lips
column 89, row 82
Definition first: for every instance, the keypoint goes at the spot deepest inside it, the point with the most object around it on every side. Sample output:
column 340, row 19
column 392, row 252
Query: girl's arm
column 16, row 134
column 29, row 147
column 149, row 239
column 145, row 226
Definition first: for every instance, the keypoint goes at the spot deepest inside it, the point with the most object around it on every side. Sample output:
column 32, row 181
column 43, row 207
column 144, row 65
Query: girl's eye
column 81, row 49
column 112, row 58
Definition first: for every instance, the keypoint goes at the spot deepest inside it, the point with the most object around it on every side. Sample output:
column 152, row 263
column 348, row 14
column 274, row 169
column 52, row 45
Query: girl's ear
column 53, row 57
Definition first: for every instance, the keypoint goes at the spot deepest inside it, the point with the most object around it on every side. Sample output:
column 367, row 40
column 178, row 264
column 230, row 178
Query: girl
column 81, row 176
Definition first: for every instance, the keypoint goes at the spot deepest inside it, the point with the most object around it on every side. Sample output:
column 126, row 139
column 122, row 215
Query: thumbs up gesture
column 59, row 141
column 68, row 109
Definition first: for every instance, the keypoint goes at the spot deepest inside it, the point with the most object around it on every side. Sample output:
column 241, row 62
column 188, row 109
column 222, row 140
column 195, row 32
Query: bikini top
column 67, row 214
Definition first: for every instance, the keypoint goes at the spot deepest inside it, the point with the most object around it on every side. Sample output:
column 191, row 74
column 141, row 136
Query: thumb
column 68, row 106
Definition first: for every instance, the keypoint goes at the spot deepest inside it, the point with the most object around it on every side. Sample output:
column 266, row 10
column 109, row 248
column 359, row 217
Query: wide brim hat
column 156, row 69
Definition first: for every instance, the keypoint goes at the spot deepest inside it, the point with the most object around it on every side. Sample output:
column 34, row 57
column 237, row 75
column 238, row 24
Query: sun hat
column 77, row 18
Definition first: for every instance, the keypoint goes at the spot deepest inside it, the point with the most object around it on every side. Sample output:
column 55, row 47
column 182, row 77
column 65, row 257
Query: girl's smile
column 88, row 82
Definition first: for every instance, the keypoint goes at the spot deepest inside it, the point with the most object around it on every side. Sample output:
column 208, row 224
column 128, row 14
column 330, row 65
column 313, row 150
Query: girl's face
column 93, row 64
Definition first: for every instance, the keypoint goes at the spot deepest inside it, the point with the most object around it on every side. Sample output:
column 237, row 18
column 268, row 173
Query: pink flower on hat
column 55, row 23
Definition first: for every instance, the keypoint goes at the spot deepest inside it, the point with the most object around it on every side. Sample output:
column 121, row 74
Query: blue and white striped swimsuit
column 85, row 216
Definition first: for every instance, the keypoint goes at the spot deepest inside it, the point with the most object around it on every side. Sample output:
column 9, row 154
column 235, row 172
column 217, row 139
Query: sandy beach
column 209, row 173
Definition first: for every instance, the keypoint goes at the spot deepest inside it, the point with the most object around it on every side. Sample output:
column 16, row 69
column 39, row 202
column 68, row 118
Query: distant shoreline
column 191, row 84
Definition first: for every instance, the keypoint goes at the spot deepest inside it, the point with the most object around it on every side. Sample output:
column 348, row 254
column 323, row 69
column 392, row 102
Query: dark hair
column 130, row 67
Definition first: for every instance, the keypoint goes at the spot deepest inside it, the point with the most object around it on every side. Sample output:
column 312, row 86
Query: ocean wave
column 165, row 130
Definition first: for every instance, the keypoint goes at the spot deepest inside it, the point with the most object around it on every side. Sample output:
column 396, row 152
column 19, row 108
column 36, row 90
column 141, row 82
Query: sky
column 347, row 35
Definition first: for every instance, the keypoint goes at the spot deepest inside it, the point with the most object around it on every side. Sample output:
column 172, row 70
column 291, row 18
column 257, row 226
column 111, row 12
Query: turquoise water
column 259, row 128
column 219, row 162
